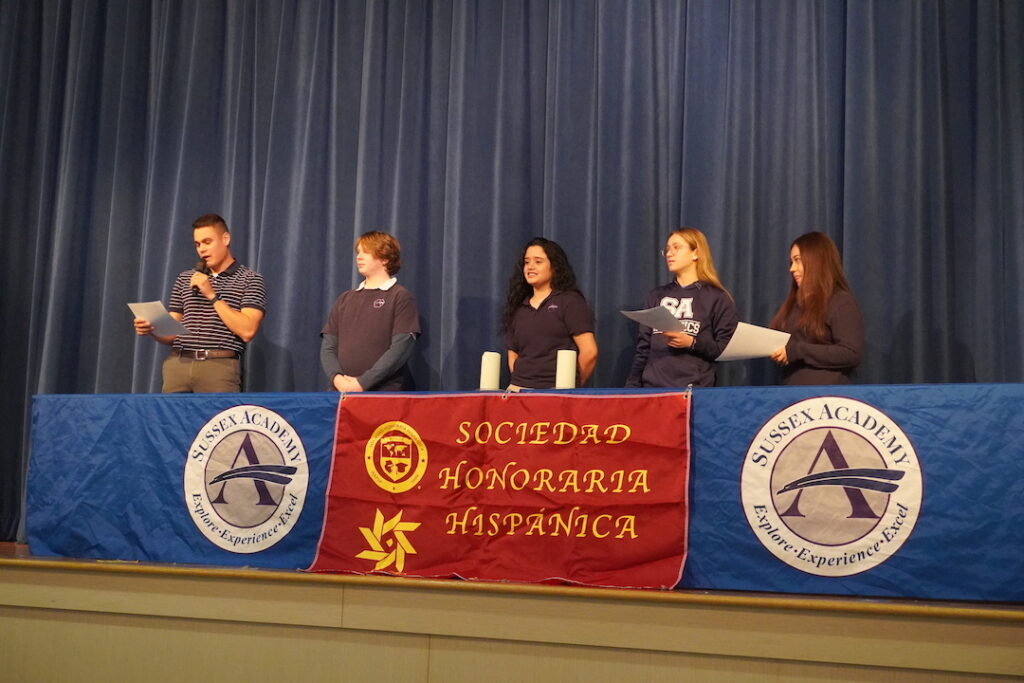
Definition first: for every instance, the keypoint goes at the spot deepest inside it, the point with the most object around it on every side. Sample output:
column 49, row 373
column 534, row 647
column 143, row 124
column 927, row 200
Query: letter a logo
column 259, row 474
column 851, row 480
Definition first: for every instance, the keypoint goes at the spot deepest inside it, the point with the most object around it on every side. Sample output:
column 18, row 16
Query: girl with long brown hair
column 821, row 315
column 545, row 312
column 696, row 297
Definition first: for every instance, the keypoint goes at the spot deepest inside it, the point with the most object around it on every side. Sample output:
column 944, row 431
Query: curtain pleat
column 466, row 128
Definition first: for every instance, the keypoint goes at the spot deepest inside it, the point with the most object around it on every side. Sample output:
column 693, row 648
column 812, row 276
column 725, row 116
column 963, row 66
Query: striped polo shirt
column 240, row 287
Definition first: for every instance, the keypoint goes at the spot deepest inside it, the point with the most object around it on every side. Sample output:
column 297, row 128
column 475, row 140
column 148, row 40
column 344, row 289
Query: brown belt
column 203, row 354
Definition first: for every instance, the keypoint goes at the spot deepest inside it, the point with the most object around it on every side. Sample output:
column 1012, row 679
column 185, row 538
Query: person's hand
column 142, row 327
column 678, row 340
column 347, row 384
column 202, row 281
column 779, row 356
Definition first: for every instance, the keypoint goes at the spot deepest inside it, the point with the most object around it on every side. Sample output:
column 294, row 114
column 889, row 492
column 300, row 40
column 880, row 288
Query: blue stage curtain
column 468, row 127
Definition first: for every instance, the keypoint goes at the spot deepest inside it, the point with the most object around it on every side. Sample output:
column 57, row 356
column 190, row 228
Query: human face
column 537, row 267
column 679, row 256
column 368, row 265
column 796, row 265
column 212, row 247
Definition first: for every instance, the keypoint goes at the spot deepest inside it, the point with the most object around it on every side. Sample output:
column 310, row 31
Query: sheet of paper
column 658, row 317
column 751, row 341
column 163, row 324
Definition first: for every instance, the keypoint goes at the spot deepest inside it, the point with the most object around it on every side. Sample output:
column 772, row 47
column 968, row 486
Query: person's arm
column 143, row 328
column 390, row 362
column 779, row 356
column 578, row 318
column 329, row 357
column 347, row 383
column 586, row 358
column 677, row 340
column 512, row 358
column 332, row 367
column 714, row 337
column 847, row 347
column 244, row 323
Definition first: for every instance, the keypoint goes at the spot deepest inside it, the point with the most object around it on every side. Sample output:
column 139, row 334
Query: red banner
column 589, row 489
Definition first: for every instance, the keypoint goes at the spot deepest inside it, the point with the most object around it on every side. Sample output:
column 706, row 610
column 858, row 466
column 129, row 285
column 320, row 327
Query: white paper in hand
column 658, row 317
column 751, row 341
column 157, row 316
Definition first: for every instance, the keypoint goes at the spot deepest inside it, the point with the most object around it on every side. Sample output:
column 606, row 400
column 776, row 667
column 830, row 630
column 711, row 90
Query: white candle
column 565, row 371
column 490, row 371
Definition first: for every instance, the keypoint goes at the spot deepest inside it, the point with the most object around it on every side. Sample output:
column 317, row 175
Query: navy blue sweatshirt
column 708, row 315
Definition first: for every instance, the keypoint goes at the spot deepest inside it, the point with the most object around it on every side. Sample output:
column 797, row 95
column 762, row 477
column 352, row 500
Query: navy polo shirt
column 537, row 335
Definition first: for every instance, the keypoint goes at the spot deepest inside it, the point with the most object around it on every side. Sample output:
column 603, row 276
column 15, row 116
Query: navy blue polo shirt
column 537, row 335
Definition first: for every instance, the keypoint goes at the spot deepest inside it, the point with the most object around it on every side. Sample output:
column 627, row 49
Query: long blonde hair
column 705, row 263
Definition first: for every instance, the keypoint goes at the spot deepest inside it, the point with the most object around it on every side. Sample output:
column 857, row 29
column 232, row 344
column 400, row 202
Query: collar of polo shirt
column 387, row 285
column 230, row 270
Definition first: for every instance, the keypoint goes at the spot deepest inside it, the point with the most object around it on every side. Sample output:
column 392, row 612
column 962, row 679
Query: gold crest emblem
column 396, row 457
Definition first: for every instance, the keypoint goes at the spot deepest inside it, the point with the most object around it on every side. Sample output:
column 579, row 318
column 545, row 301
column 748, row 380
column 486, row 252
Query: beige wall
column 89, row 621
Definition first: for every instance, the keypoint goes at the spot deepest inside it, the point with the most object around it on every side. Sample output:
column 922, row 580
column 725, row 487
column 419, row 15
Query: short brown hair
column 210, row 220
column 384, row 247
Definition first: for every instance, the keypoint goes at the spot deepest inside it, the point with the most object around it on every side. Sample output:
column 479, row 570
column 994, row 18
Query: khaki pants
column 214, row 375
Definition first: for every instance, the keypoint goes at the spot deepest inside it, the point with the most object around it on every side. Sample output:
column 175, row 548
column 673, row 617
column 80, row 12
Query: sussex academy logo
column 396, row 457
column 246, row 479
column 831, row 486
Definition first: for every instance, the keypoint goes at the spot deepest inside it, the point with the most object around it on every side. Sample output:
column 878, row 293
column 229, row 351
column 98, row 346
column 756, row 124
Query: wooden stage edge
column 67, row 619
column 18, row 555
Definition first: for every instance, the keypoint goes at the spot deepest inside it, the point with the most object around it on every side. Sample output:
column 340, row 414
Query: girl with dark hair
column 696, row 297
column 821, row 314
column 544, row 313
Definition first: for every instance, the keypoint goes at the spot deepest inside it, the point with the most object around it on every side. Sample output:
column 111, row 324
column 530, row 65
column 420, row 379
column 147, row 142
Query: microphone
column 200, row 267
